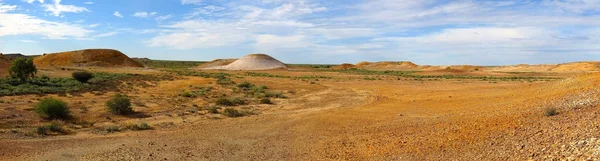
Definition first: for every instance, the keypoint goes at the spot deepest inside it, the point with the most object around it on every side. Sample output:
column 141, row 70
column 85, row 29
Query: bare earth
column 343, row 118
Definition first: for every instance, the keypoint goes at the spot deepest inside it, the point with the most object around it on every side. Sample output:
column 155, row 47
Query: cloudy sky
column 309, row 31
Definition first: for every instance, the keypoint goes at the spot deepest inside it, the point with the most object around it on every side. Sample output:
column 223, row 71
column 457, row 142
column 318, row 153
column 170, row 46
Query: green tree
column 22, row 69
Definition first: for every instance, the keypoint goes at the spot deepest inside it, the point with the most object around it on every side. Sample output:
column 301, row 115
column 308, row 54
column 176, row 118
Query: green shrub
column 274, row 94
column 187, row 94
column 213, row 109
column 238, row 101
column 119, row 104
column 82, row 77
column 223, row 80
column 53, row 127
column 245, row 85
column 550, row 111
column 230, row 102
column 266, row 101
column 22, row 69
column 231, row 112
column 112, row 129
column 141, row 126
column 52, row 108
column 224, row 102
column 258, row 90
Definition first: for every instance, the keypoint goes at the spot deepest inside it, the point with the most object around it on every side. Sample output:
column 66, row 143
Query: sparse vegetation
column 266, row 101
column 230, row 102
column 119, row 104
column 168, row 63
column 275, row 94
column 245, row 85
column 47, row 129
column 83, row 76
column 232, row 112
column 212, row 109
column 51, row 108
column 550, row 111
column 139, row 127
column 45, row 85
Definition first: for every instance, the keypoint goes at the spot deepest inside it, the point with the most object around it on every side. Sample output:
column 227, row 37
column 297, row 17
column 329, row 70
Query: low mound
column 575, row 67
column 524, row 68
column 253, row 62
column 87, row 58
column 344, row 66
column 216, row 63
column 387, row 65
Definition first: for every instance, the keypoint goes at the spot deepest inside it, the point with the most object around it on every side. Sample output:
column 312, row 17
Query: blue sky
column 439, row 32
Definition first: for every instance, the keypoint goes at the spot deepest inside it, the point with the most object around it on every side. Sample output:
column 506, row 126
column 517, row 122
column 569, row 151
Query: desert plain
column 364, row 111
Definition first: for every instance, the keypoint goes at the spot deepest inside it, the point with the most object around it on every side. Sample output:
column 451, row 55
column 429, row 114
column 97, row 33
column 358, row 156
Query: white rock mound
column 253, row 62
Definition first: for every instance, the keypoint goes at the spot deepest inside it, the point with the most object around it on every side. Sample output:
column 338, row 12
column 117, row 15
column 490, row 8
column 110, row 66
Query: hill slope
column 87, row 58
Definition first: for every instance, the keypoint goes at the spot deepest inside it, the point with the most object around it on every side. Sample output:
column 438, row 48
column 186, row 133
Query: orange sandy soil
column 345, row 118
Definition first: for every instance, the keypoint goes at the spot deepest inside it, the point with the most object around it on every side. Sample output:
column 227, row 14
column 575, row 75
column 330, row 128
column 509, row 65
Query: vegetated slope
column 577, row 66
column 253, row 62
column 344, row 66
column 387, row 65
column 87, row 58
column 216, row 63
column 4, row 64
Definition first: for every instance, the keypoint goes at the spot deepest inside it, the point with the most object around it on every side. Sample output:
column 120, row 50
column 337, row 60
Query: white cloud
column 28, row 41
column 31, row 1
column 342, row 33
column 93, row 25
column 56, row 8
column 210, row 10
column 199, row 34
column 106, row 34
column 88, row 2
column 240, row 24
column 196, row 2
column 267, row 42
column 576, row 6
column 21, row 24
column 7, row 8
column 144, row 14
column 116, row 13
column 165, row 17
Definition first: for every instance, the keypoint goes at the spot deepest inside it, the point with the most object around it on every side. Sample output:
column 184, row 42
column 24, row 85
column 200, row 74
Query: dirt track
column 348, row 120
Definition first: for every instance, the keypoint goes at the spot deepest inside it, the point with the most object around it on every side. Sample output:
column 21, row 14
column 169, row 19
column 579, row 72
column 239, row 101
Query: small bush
column 231, row 112
column 274, row 94
column 224, row 102
column 112, row 129
column 141, row 126
column 245, row 85
column 550, row 111
column 223, row 80
column 266, row 101
column 238, row 101
column 187, row 94
column 52, row 108
column 230, row 102
column 119, row 104
column 213, row 109
column 53, row 127
column 82, row 77
column 255, row 90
